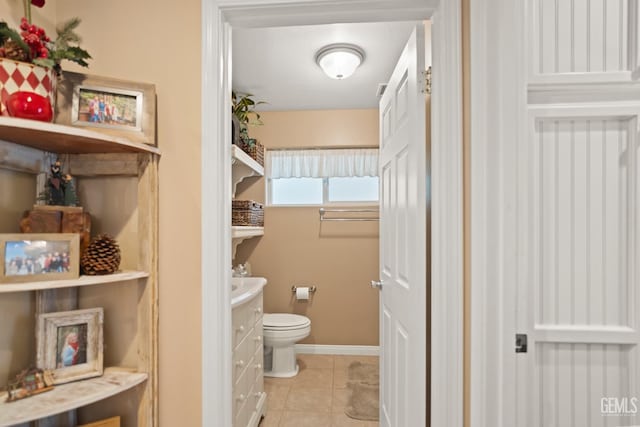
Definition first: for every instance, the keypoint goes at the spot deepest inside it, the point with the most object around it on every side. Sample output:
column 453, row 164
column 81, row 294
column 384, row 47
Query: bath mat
column 364, row 383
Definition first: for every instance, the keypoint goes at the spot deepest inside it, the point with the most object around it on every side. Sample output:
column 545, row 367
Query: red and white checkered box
column 21, row 76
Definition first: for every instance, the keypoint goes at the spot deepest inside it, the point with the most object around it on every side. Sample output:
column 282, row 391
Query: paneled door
column 579, row 235
column 403, row 214
column 577, row 220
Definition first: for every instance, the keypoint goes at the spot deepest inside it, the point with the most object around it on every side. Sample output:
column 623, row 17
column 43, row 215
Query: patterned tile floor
column 316, row 397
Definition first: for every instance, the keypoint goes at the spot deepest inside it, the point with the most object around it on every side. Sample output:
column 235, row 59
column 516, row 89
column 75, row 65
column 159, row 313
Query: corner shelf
column 242, row 233
column 81, row 281
column 66, row 139
column 27, row 146
column 67, row 397
column 243, row 167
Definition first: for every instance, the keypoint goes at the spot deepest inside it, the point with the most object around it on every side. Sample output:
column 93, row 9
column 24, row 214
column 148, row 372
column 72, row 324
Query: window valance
column 321, row 163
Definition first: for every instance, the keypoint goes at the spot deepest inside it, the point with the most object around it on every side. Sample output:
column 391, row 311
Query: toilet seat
column 284, row 321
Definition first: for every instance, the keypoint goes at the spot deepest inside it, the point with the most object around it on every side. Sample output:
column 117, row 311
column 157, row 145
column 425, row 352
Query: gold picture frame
column 108, row 422
column 36, row 257
column 115, row 107
column 70, row 344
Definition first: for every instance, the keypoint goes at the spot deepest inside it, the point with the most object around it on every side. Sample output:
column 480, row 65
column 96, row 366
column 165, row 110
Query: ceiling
column 277, row 65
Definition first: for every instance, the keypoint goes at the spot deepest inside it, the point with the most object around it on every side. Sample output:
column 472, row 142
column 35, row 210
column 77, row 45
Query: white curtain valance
column 322, row 163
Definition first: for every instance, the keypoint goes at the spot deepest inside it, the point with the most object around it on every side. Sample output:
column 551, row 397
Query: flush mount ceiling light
column 339, row 60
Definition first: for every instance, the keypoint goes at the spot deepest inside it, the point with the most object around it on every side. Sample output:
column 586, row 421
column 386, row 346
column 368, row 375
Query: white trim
column 216, row 219
column 498, row 121
column 354, row 350
column 447, row 244
column 216, row 182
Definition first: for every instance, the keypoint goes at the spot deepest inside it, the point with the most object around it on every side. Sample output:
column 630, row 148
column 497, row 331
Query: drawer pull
column 240, row 328
column 240, row 363
column 259, row 366
column 258, row 310
column 241, row 398
column 258, row 338
column 258, row 395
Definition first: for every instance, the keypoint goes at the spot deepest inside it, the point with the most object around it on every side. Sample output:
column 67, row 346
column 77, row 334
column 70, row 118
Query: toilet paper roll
column 302, row 293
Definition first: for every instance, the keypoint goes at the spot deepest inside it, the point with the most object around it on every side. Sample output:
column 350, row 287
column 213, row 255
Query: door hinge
column 426, row 81
column 521, row 343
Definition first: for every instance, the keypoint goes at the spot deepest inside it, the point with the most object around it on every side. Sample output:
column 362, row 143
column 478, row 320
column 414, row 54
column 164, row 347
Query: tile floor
column 316, row 397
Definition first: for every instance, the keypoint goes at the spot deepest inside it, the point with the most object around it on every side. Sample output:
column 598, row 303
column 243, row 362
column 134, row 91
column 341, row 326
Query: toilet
column 281, row 332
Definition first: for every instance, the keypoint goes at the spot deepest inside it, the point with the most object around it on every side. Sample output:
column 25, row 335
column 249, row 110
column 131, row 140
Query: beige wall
column 340, row 258
column 156, row 42
column 159, row 42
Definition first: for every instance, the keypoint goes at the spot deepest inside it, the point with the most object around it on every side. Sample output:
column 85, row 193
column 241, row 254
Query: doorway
column 218, row 21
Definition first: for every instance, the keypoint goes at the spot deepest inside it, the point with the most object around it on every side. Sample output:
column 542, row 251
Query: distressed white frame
column 447, row 300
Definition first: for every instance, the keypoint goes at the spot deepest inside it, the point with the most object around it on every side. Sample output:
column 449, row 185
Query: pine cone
column 13, row 51
column 101, row 257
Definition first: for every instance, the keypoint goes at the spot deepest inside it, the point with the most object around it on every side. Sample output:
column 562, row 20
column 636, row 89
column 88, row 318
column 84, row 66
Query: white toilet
column 281, row 333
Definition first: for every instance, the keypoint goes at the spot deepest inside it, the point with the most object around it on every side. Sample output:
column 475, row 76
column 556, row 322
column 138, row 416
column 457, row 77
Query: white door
column 579, row 196
column 403, row 214
column 577, row 220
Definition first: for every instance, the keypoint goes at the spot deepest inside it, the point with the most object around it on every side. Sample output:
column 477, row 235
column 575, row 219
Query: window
column 322, row 177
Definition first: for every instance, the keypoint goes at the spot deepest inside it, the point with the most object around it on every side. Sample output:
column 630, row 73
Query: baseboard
column 355, row 350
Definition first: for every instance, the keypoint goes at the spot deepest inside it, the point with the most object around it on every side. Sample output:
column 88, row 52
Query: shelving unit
column 118, row 185
column 242, row 233
column 243, row 167
column 81, row 281
column 67, row 397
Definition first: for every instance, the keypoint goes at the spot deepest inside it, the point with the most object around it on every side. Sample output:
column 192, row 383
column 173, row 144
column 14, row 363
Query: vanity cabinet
column 118, row 185
column 249, row 398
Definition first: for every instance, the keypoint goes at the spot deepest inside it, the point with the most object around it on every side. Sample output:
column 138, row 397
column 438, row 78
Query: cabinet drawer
column 254, row 313
column 255, row 339
column 242, row 415
column 241, row 392
column 240, row 323
column 242, row 355
column 253, row 400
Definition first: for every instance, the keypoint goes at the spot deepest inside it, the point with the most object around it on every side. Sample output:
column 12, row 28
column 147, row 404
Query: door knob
column 376, row 284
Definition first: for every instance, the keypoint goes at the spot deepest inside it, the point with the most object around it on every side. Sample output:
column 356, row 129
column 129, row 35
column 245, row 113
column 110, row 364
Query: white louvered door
column 578, row 218
column 403, row 209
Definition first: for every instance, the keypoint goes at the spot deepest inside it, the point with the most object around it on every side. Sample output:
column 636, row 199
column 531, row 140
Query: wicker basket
column 253, row 148
column 247, row 212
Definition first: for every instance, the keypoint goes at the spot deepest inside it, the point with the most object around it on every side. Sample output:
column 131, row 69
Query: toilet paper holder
column 294, row 288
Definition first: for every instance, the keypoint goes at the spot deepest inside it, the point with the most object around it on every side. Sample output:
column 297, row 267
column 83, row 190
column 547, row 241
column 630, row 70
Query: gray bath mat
column 364, row 383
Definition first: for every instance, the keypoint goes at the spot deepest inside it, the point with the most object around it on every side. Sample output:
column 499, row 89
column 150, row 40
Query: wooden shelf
column 68, row 396
column 245, row 232
column 243, row 167
column 66, row 139
column 81, row 281
column 242, row 233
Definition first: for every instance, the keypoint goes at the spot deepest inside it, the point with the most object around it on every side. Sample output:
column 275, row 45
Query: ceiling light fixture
column 339, row 60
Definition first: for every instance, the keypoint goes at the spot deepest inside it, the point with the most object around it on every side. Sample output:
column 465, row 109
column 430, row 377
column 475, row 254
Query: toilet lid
column 284, row 320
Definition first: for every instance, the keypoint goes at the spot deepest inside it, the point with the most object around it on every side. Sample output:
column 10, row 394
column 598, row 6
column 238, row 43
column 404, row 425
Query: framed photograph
column 115, row 107
column 39, row 256
column 70, row 344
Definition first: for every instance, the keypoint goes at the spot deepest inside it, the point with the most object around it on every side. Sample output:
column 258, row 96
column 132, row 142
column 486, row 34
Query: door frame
column 446, row 320
column 498, row 96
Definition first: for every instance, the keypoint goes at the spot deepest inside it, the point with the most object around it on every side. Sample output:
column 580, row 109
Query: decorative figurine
column 60, row 189
column 28, row 383
column 56, row 184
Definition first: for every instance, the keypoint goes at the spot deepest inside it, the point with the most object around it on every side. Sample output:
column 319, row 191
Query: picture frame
column 34, row 257
column 70, row 344
column 88, row 101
